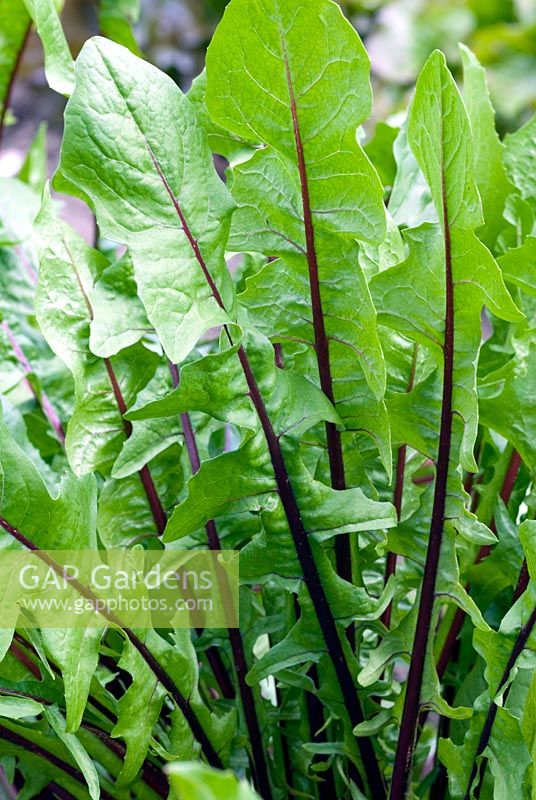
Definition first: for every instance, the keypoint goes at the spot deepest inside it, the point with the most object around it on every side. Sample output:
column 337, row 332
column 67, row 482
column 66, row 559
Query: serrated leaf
column 156, row 134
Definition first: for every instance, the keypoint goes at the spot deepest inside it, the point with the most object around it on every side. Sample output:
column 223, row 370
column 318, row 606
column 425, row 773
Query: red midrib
column 300, row 536
column 333, row 437
column 408, row 728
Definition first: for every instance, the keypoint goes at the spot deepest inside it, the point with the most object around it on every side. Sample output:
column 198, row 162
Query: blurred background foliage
column 399, row 35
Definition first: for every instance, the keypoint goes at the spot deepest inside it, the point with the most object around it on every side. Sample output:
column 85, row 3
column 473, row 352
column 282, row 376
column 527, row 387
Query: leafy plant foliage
column 323, row 357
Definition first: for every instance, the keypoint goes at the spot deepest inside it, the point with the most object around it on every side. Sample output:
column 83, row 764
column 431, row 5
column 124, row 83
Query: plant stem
column 155, row 780
column 259, row 765
column 59, row 792
column 151, row 776
column 219, row 670
column 300, row 536
column 485, row 735
column 23, row 659
column 334, row 445
column 42, row 399
column 36, row 749
column 98, row 705
column 313, row 581
column 315, row 715
column 155, row 504
column 158, row 671
column 410, row 715
column 522, row 583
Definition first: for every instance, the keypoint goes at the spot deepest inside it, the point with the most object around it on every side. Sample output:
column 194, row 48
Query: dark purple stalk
column 315, row 715
column 43, row 400
column 213, row 655
column 390, row 563
column 109, row 715
column 153, row 778
column 219, row 670
column 313, row 582
column 300, row 536
column 522, row 583
column 155, row 504
column 59, row 792
column 333, row 436
column 25, row 660
column 410, row 715
column 511, row 476
column 157, row 670
column 517, row 649
column 259, row 765
column 36, row 749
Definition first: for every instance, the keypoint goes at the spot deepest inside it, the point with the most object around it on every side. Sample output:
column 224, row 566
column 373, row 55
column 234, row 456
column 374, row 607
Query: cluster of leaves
column 328, row 370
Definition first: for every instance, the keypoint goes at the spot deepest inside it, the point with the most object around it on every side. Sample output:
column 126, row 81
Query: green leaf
column 255, row 69
column 140, row 123
column 124, row 516
column 380, row 151
column 440, row 135
column 114, row 287
column 76, row 652
column 220, row 140
column 216, row 385
column 195, row 781
column 74, row 304
column 491, row 177
column 410, row 203
column 116, row 18
column 14, row 27
column 518, row 266
column 229, row 480
column 34, row 171
column 19, row 707
column 508, row 407
column 66, row 521
column 138, row 712
column 73, row 745
column 518, row 159
column 59, row 67
column 277, row 300
column 313, row 174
